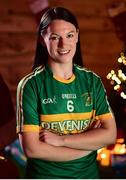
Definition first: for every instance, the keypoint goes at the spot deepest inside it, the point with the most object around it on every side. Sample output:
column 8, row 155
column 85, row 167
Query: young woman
column 63, row 115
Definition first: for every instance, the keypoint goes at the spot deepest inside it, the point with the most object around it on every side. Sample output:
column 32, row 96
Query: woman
column 58, row 103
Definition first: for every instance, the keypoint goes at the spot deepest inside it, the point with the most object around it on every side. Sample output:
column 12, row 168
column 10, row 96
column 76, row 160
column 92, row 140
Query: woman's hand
column 95, row 124
column 51, row 138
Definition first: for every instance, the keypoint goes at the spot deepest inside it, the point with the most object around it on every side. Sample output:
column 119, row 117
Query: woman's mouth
column 63, row 52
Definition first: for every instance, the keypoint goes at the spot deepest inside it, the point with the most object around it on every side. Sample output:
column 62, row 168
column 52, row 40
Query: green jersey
column 63, row 107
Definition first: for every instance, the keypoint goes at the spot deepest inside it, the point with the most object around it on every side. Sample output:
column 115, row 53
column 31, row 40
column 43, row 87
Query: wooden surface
column 100, row 44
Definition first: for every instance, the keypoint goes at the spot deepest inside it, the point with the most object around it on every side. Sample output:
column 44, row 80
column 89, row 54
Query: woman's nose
column 62, row 42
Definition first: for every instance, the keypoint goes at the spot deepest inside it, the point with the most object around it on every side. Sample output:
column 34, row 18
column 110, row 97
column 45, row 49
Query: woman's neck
column 64, row 71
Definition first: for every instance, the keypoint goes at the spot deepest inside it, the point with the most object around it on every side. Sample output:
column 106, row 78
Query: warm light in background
column 118, row 80
column 104, row 155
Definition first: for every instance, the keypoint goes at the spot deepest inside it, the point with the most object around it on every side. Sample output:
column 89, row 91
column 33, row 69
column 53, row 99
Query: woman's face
column 60, row 39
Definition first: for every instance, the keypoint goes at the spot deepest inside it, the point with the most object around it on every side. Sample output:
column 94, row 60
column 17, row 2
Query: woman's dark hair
column 41, row 55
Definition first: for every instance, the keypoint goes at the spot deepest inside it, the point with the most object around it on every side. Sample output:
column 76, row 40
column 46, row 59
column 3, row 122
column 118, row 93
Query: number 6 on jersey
column 70, row 106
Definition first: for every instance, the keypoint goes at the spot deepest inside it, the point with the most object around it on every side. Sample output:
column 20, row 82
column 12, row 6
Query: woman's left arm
column 92, row 139
column 95, row 138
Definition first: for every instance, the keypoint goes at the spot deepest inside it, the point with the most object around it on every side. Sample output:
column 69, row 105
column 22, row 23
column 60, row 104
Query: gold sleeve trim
column 105, row 116
column 28, row 128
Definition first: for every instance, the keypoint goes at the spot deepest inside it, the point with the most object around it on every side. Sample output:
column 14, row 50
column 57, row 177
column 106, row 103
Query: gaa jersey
column 63, row 107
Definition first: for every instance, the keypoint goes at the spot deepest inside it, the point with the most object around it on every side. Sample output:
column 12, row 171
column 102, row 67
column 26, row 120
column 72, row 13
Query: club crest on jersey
column 87, row 99
column 49, row 100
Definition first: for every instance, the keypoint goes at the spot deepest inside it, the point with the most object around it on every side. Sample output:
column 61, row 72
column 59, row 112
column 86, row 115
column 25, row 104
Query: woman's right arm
column 34, row 148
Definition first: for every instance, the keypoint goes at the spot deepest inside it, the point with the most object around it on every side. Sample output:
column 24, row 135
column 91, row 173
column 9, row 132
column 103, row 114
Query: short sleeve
column 27, row 107
column 102, row 106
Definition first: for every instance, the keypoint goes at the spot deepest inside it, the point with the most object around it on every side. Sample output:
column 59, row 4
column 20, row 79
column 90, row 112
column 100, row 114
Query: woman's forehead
column 60, row 25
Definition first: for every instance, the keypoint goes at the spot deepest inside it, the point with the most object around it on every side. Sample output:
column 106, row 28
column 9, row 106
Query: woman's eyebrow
column 55, row 34
column 71, row 31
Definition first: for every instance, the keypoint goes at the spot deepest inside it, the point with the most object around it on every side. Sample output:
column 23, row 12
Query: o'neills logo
column 49, row 100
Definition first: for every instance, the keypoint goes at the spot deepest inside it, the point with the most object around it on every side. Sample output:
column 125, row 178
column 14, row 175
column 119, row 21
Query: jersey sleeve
column 102, row 106
column 27, row 110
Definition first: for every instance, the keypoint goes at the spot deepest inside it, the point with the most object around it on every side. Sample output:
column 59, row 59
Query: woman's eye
column 54, row 38
column 70, row 35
